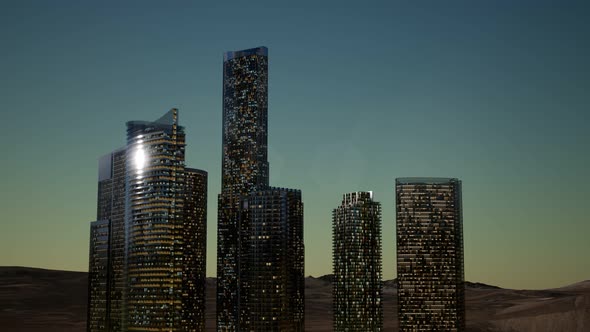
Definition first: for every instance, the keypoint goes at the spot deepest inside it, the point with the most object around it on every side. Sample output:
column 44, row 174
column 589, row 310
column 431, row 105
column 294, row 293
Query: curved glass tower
column 155, row 201
column 148, row 247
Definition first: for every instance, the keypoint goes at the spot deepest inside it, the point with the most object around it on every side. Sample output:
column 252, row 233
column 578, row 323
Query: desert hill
column 49, row 300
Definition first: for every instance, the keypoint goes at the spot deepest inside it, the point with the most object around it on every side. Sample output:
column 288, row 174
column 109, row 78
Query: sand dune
column 48, row 300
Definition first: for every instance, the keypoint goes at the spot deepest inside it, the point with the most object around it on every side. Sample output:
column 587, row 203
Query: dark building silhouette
column 276, row 260
column 429, row 228
column 117, row 280
column 244, row 170
column 98, row 270
column 357, row 283
column 107, row 247
column 147, row 247
column 195, row 250
column 245, row 175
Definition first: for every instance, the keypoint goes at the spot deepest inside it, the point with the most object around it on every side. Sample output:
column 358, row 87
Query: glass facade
column 107, row 243
column 249, row 260
column 98, row 303
column 195, row 250
column 148, row 247
column 276, row 260
column 244, row 170
column 155, row 205
column 245, row 119
column 429, row 232
column 117, row 241
column 357, row 284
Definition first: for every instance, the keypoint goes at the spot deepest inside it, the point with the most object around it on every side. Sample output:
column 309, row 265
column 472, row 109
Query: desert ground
column 48, row 300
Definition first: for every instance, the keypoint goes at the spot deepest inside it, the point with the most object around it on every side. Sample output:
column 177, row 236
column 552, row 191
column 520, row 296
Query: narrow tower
column 106, row 281
column 98, row 276
column 244, row 170
column 194, row 250
column 357, row 284
column 260, row 283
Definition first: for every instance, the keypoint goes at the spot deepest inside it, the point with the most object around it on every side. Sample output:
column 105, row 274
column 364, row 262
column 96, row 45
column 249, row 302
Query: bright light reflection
column 139, row 159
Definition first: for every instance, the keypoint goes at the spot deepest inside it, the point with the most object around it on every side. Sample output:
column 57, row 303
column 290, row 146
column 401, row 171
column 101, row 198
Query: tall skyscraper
column 245, row 120
column 276, row 260
column 107, row 243
column 147, row 247
column 98, row 273
column 244, row 170
column 155, row 203
column 245, row 177
column 117, row 280
column 195, row 250
column 431, row 291
column 357, row 284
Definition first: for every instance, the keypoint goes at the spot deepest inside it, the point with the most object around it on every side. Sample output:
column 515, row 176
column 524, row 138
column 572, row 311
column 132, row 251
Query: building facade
column 107, row 241
column 195, row 250
column 244, row 170
column 357, row 283
column 155, row 206
column 117, row 281
column 98, row 276
column 276, row 260
column 243, row 276
column 429, row 232
column 148, row 245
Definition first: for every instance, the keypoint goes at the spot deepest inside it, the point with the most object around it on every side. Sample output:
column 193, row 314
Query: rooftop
column 261, row 50
column 425, row 180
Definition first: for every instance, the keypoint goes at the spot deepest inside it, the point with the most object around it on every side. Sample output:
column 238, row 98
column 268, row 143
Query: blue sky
column 493, row 93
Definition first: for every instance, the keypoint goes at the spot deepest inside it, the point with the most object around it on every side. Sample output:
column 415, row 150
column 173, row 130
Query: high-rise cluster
column 431, row 292
column 429, row 234
column 148, row 243
column 260, row 228
column 357, row 284
column 147, row 248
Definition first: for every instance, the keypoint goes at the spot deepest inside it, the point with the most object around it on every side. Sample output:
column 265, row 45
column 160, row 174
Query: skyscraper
column 155, row 202
column 431, row 293
column 117, row 280
column 244, row 170
column 195, row 253
column 357, row 284
column 98, row 276
column 147, row 247
column 244, row 265
column 107, row 241
column 276, row 260
column 245, row 121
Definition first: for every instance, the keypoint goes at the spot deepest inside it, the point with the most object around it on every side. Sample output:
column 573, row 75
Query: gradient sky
column 495, row 93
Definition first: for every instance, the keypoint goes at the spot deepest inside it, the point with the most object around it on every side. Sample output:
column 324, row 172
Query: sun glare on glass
column 139, row 159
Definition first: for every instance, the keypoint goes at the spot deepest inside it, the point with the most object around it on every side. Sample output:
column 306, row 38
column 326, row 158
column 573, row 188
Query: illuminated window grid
column 357, row 283
column 430, row 254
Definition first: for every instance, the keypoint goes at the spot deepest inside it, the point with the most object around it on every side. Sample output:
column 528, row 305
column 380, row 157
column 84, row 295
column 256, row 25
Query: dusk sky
column 495, row 93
